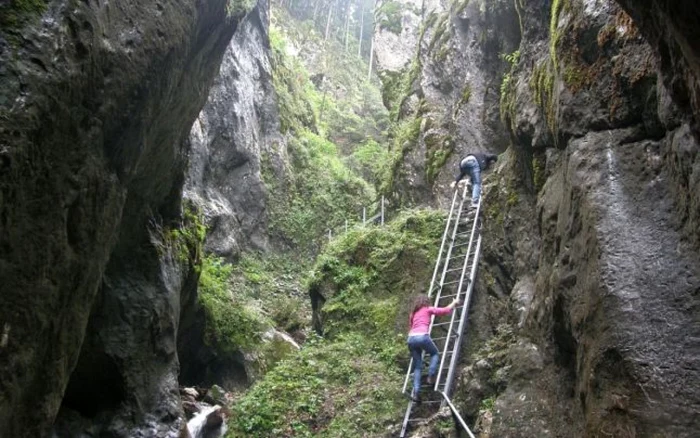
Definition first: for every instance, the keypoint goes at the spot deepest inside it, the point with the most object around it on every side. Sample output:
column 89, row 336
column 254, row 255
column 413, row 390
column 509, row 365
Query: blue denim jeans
column 471, row 165
column 416, row 345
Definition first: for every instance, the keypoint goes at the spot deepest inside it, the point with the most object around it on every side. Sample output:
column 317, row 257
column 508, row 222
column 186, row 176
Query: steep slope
column 584, row 321
column 96, row 98
column 441, row 72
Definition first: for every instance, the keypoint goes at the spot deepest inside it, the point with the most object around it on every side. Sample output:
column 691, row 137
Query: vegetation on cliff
column 348, row 382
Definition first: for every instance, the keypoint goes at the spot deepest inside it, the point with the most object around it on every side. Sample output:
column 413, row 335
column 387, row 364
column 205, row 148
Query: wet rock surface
column 237, row 129
column 96, row 99
column 596, row 166
column 448, row 81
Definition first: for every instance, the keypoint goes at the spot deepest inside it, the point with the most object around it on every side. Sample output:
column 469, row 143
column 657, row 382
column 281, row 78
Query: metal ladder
column 453, row 277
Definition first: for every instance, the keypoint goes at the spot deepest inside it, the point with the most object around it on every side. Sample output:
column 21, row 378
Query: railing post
column 330, row 234
column 364, row 216
column 346, row 225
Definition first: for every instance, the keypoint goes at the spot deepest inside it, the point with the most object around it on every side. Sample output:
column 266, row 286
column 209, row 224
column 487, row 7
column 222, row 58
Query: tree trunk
column 362, row 25
column 371, row 57
column 328, row 21
column 371, row 46
column 347, row 25
column 318, row 3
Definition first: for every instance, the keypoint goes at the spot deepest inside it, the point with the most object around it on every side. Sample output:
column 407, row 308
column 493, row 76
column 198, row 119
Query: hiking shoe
column 431, row 380
column 415, row 398
column 475, row 204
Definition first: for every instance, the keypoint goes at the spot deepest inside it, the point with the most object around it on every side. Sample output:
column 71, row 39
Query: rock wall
column 584, row 320
column 445, row 73
column 589, row 287
column 96, row 100
column 671, row 29
column 237, row 129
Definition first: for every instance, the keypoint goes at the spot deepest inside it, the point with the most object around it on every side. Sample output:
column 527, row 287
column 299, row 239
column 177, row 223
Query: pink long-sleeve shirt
column 420, row 321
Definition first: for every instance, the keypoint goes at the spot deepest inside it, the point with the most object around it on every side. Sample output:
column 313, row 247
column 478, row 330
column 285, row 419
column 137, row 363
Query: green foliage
column 388, row 15
column 233, row 324
column 16, row 13
column 370, row 159
column 276, row 281
column 319, row 193
column 187, row 238
column 487, row 404
column 372, row 269
column 236, row 8
column 295, row 92
column 511, row 58
column 405, row 136
column 322, row 392
column 508, row 91
column 348, row 383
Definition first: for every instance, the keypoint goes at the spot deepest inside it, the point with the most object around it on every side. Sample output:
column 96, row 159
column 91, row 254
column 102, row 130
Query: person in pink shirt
column 419, row 339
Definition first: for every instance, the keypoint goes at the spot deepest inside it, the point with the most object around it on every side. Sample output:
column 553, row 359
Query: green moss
column 232, row 322
column 367, row 274
column 440, row 31
column 404, row 136
column 186, row 238
column 459, row 6
column 542, row 87
column 554, row 35
column 466, row 93
column 538, row 171
column 16, row 13
column 237, row 8
column 276, row 281
column 438, row 149
column 388, row 15
column 371, row 270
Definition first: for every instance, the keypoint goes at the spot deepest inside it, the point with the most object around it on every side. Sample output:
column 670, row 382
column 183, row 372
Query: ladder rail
column 442, row 244
column 462, row 323
column 451, row 335
column 459, row 292
column 452, row 242
column 437, row 264
column 456, row 413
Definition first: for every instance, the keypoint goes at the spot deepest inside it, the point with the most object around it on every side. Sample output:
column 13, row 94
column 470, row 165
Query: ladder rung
column 450, row 296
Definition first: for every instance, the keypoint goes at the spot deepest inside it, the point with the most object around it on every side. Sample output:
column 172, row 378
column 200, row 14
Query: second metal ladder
column 453, row 277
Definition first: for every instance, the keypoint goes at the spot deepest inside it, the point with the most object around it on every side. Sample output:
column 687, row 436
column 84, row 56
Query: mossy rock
column 16, row 13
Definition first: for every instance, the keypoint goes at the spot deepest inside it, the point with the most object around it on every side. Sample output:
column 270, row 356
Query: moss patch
column 366, row 276
column 319, row 192
column 16, row 13
column 233, row 323
column 388, row 16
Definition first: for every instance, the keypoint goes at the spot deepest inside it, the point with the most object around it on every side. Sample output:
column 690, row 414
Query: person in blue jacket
column 473, row 165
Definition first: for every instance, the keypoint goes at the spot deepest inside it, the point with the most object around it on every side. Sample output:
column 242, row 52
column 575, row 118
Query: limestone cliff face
column 585, row 318
column 603, row 298
column 237, row 129
column 446, row 73
column 96, row 99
